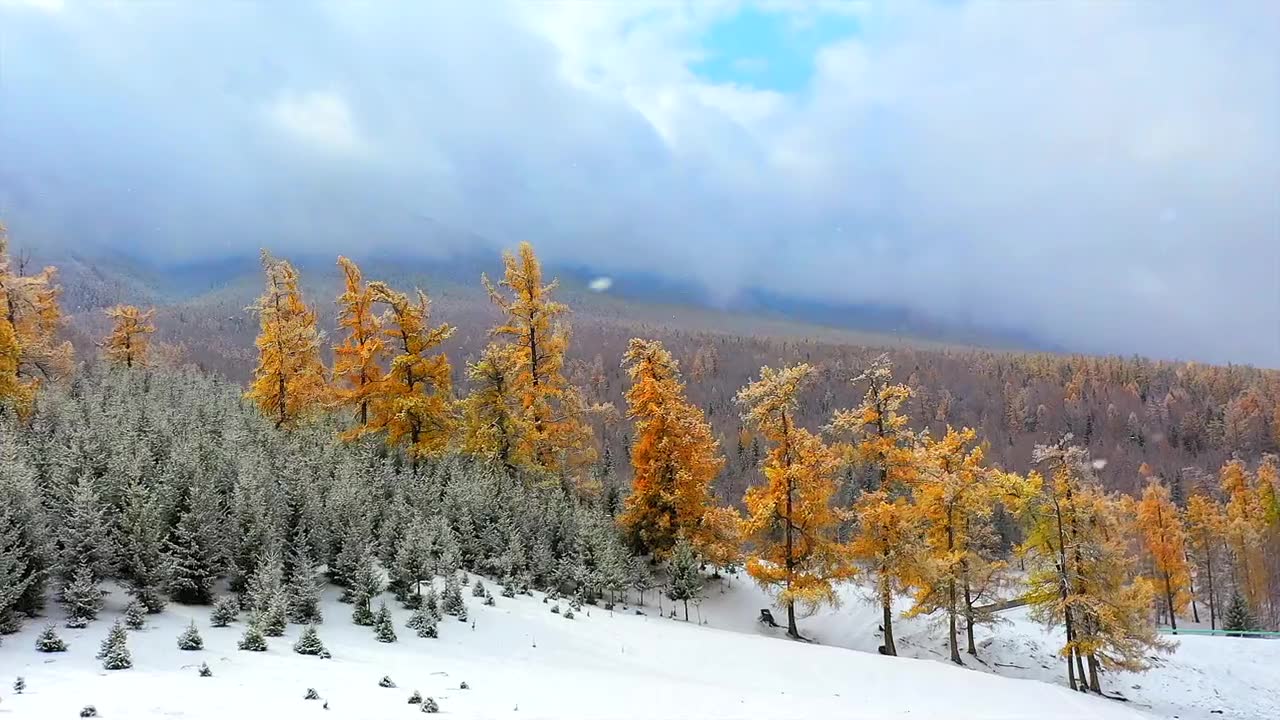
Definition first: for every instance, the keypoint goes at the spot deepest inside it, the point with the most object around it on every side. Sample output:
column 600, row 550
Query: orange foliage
column 357, row 362
column 129, row 343
column 289, row 382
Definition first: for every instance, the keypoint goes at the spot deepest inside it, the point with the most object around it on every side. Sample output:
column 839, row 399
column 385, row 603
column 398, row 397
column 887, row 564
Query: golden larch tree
column 889, row 541
column 415, row 398
column 955, row 496
column 674, row 458
column 358, row 361
column 790, row 524
column 1164, row 538
column 30, row 319
column 559, row 440
column 1206, row 525
column 1080, row 572
column 289, row 382
column 129, row 342
column 882, row 440
column 1245, row 522
column 493, row 421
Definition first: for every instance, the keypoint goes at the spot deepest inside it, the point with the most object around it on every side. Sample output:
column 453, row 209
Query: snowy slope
column 521, row 661
column 1237, row 677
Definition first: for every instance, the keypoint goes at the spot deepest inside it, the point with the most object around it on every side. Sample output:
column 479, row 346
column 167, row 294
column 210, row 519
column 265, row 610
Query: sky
column 1105, row 175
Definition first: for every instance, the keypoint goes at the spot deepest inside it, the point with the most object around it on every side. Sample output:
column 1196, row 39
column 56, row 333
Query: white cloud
column 318, row 118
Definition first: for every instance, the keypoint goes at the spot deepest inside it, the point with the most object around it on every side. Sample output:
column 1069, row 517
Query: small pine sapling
column 428, row 628
column 464, row 686
column 362, row 615
column 478, row 590
column 114, row 652
column 76, row 623
column 275, row 617
column 431, row 601
column 556, row 608
column 253, row 640
column 82, row 598
column 225, row 611
column 488, row 600
column 190, row 638
column 89, row 711
column 386, row 682
column 48, row 641
column 205, row 671
column 135, row 615
column 419, row 618
column 451, row 601
column 309, row 643
column 568, row 614
column 19, row 685
column 462, row 614
column 430, row 706
column 383, row 629
column 311, row 694
column 415, row 698
column 508, row 590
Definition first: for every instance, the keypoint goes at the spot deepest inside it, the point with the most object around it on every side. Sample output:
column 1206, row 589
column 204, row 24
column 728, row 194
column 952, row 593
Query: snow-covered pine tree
column 415, row 698
column 114, row 652
column 266, row 582
column 276, row 617
column 383, row 629
column 190, row 638
column 225, row 611
column 144, row 566
column 418, row 618
column 253, row 640
column 430, row 705
column 19, row 685
column 82, row 598
column 451, row 602
column 303, row 590
column 478, row 590
column 86, row 540
column 135, row 615
column 26, row 542
column 353, row 548
column 686, row 580
column 195, row 548
column 205, row 671
column 413, row 561
column 639, row 576
column 431, row 602
column 365, row 586
column 48, row 641
column 386, row 682
column 1238, row 617
column 428, row 627
column 309, row 643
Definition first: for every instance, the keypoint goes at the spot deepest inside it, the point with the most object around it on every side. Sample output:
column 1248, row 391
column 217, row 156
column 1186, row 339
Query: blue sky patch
column 769, row 50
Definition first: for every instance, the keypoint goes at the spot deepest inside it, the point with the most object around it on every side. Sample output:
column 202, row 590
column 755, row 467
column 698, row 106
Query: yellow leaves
column 415, row 396
column 289, row 382
column 30, row 318
column 889, row 540
column 556, row 438
column 790, row 524
column 357, row 361
column 674, row 458
column 1165, row 539
column 129, row 342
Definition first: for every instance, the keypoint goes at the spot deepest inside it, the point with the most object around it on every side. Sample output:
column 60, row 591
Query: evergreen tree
column 82, row 598
column 19, row 685
column 426, row 627
column 303, row 591
column 225, row 611
column 309, row 643
column 190, row 638
column 478, row 590
column 451, row 602
column 85, row 539
column 26, row 542
column 205, row 671
column 13, row 566
column 114, row 652
column 1238, row 617
column 413, row 560
column 195, row 549
column 253, row 640
column 383, row 629
column 48, row 640
column 686, row 580
column 366, row 585
column 146, row 572
column 135, row 615
column 431, row 602
column 639, row 577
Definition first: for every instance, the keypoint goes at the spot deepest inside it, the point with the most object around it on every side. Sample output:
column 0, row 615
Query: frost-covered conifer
column 451, row 600
column 195, row 549
column 190, row 638
column 303, row 591
column 48, row 640
column 383, row 629
column 225, row 611
column 253, row 640
column 135, row 615
column 143, row 563
column 309, row 643
column 114, row 652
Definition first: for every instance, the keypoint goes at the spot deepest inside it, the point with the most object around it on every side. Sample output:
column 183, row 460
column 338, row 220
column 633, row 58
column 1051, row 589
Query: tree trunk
column 686, row 611
column 1195, row 614
column 886, row 604
column 791, row 621
column 1094, row 684
column 951, row 622
column 1168, row 596
column 1208, row 561
column 1071, row 667
column 968, row 620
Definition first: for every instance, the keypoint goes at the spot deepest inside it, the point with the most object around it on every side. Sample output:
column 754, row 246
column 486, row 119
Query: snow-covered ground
column 522, row 661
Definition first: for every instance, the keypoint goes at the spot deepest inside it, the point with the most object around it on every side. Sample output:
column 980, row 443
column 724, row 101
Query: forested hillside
column 1108, row 495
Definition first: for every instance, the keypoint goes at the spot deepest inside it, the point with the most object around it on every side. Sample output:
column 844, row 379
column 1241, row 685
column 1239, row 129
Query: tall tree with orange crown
column 1245, row 521
column 415, row 399
column 557, row 438
column 1165, row 539
column 790, row 524
column 289, row 382
column 30, row 318
column 1206, row 523
column 358, row 361
column 130, row 340
column 674, row 457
